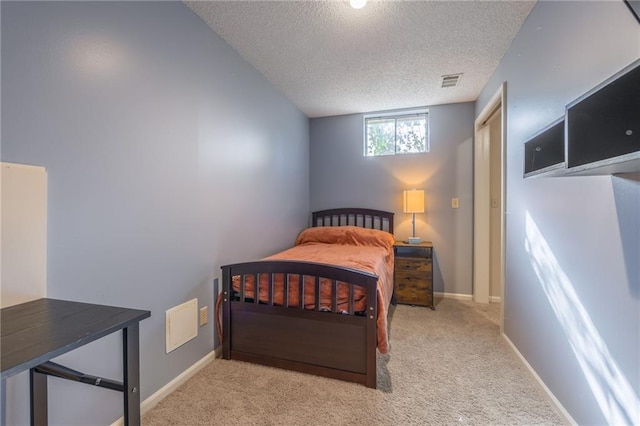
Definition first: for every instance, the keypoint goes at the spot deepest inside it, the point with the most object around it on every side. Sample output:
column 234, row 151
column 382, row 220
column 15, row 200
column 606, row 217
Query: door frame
column 482, row 202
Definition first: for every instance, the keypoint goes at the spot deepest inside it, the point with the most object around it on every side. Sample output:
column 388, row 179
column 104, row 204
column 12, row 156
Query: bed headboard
column 364, row 218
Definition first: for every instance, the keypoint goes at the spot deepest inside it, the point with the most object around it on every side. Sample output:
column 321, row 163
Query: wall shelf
column 599, row 134
column 544, row 152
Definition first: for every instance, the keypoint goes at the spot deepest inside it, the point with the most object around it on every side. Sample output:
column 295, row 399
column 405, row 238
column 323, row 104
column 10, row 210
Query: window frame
column 397, row 115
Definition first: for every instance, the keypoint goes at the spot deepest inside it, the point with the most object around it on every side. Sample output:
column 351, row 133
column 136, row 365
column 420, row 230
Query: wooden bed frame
column 330, row 344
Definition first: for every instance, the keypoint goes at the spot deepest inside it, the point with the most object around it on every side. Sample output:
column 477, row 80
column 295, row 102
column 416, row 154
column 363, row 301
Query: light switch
column 455, row 203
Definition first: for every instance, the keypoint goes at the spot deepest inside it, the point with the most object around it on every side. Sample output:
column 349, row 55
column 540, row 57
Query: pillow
column 346, row 235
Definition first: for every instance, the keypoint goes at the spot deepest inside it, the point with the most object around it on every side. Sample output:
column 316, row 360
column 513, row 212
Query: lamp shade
column 413, row 201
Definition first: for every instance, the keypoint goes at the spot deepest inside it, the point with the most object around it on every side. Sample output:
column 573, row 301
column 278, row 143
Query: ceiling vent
column 451, row 80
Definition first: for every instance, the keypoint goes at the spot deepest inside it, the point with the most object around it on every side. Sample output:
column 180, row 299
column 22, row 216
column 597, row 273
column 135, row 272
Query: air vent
column 451, row 80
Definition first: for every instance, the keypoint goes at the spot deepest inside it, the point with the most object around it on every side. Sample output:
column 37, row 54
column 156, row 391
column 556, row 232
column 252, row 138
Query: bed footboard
column 329, row 342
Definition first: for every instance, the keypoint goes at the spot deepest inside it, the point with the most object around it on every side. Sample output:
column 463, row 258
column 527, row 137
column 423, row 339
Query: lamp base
column 414, row 240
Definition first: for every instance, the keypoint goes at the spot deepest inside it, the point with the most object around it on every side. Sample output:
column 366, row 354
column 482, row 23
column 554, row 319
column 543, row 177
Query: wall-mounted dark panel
column 603, row 126
column 634, row 6
column 544, row 152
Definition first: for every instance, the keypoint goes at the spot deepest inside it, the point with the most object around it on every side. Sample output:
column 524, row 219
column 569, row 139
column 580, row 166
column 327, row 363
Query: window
column 402, row 133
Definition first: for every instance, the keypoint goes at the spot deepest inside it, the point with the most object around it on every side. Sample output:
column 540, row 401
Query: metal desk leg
column 38, row 398
column 131, row 376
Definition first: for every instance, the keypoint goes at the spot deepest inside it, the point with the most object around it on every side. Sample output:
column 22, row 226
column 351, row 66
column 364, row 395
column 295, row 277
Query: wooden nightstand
column 413, row 274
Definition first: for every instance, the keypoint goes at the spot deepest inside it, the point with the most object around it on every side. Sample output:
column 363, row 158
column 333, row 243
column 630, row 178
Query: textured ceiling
column 330, row 59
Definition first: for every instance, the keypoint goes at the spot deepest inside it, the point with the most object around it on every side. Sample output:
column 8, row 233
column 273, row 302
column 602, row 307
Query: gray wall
column 342, row 176
column 572, row 281
column 167, row 156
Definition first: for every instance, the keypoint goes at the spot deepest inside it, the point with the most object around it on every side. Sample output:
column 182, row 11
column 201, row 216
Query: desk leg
column 38, row 398
column 131, row 376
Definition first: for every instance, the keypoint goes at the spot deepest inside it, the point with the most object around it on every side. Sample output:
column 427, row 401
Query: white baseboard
column 164, row 391
column 492, row 299
column 453, row 296
column 563, row 412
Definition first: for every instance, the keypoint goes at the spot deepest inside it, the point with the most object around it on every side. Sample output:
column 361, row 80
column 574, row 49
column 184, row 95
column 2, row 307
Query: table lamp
column 414, row 203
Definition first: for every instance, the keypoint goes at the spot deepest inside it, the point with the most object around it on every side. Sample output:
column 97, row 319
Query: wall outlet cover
column 204, row 315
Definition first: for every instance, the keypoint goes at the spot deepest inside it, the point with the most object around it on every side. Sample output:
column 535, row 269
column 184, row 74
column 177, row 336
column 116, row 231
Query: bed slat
column 334, row 298
column 285, row 283
column 270, row 289
column 244, row 282
column 256, row 289
column 301, row 291
column 351, row 301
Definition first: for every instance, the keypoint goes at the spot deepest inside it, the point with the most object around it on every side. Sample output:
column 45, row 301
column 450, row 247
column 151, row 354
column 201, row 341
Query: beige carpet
column 445, row 367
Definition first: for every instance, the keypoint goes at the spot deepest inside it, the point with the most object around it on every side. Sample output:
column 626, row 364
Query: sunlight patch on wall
column 615, row 396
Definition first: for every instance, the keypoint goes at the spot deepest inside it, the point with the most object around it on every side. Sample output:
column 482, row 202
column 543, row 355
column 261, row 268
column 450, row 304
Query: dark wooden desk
column 35, row 332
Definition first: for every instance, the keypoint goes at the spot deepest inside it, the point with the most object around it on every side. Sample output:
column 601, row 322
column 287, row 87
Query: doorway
column 489, row 202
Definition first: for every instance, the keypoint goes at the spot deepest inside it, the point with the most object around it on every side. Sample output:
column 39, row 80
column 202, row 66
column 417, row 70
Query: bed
column 319, row 309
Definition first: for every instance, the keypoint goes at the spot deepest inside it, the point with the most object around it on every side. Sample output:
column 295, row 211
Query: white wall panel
column 24, row 233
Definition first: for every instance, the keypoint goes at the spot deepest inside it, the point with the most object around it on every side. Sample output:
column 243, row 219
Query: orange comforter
column 368, row 250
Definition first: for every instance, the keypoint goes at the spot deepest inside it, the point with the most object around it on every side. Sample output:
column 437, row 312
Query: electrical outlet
column 455, row 203
column 204, row 315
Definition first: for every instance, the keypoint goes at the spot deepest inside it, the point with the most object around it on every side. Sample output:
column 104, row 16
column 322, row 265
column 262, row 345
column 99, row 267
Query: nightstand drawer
column 409, row 294
column 414, row 252
column 408, row 265
column 413, row 288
